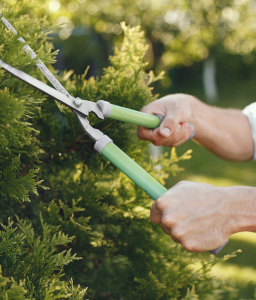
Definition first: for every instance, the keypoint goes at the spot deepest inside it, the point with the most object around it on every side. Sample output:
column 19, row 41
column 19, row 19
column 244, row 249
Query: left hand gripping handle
column 137, row 174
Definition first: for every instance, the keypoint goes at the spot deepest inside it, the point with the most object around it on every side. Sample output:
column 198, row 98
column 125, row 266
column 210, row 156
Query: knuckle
column 141, row 134
column 166, row 229
column 178, row 233
column 179, row 139
column 185, row 137
column 154, row 139
column 189, row 135
column 166, row 221
column 175, row 240
column 159, row 204
column 157, row 143
column 176, row 144
column 190, row 245
column 170, row 143
column 154, row 217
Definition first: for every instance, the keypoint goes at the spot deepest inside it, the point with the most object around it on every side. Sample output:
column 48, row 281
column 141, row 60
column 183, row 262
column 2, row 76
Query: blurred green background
column 205, row 48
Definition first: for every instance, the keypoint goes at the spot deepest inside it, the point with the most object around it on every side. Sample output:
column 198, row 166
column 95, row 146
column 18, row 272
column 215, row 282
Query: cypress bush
column 71, row 220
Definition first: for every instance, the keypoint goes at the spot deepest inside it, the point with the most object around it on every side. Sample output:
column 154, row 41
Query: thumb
column 169, row 124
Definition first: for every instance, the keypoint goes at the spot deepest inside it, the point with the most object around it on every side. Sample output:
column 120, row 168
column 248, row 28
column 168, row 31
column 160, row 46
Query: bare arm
column 199, row 216
column 225, row 132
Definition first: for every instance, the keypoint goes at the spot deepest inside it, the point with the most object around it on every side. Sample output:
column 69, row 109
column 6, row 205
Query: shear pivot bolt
column 78, row 102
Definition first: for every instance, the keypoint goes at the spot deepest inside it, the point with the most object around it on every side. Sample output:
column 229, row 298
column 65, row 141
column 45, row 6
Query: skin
column 199, row 216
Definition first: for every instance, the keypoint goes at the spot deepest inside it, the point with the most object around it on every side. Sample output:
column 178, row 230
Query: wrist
column 197, row 110
column 241, row 208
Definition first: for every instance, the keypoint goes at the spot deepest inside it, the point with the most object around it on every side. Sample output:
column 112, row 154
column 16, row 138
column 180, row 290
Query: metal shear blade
column 80, row 106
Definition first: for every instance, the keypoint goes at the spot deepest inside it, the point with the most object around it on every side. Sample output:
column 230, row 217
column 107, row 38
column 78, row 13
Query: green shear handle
column 135, row 117
column 137, row 174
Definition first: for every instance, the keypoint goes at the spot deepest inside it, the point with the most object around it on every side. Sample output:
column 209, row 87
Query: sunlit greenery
column 179, row 31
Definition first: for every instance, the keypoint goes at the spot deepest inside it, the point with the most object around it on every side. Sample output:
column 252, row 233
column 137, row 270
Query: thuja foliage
column 86, row 224
column 32, row 256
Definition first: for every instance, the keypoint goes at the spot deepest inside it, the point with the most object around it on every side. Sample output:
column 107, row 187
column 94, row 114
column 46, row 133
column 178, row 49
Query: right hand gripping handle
column 138, row 175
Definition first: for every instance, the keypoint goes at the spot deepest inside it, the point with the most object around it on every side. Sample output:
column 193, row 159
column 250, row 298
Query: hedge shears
column 102, row 109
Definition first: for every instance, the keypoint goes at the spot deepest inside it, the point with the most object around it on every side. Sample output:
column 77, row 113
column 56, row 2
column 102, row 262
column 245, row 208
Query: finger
column 166, row 229
column 168, row 126
column 155, row 214
column 146, row 134
column 182, row 134
column 152, row 136
column 175, row 240
column 172, row 121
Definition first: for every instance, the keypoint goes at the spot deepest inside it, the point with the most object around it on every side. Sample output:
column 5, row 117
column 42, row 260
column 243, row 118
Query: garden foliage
column 180, row 31
column 68, row 216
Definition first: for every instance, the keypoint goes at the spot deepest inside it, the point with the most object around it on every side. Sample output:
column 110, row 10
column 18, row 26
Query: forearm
column 225, row 132
column 240, row 208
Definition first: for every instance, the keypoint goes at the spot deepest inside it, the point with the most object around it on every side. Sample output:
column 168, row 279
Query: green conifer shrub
column 86, row 219
column 31, row 263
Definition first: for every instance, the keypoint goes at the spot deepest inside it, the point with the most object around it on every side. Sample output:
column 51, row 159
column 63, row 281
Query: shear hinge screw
column 78, row 102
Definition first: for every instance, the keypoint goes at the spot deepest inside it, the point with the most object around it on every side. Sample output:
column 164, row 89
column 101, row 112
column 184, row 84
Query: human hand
column 196, row 215
column 175, row 128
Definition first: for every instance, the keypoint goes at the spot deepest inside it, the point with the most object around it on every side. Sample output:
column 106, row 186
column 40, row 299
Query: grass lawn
column 206, row 167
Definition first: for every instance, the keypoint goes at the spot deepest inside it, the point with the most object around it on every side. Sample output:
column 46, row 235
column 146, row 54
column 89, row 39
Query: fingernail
column 178, row 128
column 166, row 132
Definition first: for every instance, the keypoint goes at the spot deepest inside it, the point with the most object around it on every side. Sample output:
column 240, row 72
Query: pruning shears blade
column 83, row 107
